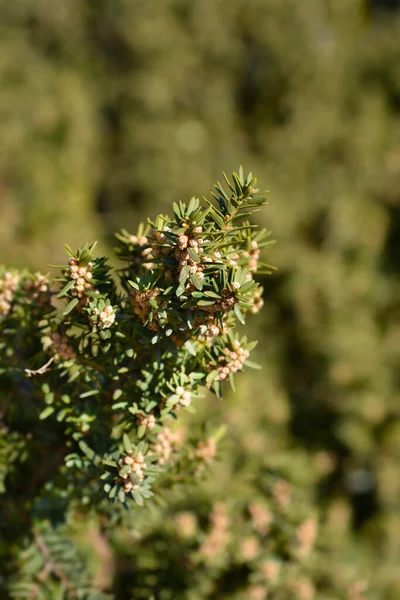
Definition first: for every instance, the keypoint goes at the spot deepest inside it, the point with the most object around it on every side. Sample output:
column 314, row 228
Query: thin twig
column 52, row 567
column 41, row 370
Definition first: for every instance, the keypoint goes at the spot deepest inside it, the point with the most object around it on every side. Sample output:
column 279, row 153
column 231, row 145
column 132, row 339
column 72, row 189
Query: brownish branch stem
column 52, row 567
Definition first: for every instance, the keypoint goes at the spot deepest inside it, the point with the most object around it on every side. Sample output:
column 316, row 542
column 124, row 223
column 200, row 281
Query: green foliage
column 95, row 380
column 109, row 113
column 51, row 568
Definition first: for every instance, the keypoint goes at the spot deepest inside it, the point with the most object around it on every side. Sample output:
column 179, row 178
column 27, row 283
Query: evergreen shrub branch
column 97, row 364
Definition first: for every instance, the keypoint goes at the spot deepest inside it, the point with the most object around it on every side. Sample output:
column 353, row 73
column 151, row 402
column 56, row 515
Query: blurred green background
column 111, row 110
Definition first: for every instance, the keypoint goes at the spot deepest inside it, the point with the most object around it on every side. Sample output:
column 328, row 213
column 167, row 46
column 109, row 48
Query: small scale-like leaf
column 66, row 288
column 232, row 381
column 127, row 443
column 109, row 463
column 153, row 303
column 205, row 303
column 89, row 393
column 137, row 497
column 193, row 205
column 238, row 314
column 211, row 377
column 49, row 398
column 62, row 414
column 134, row 478
column 119, row 405
column 184, row 273
column 125, row 470
column 245, row 305
column 46, row 412
column 252, row 365
column 197, row 282
column 193, row 255
column 218, row 220
column 190, row 348
column 105, row 334
column 180, row 290
column 247, row 286
column 142, row 447
column 177, row 211
column 71, row 306
column 217, row 389
column 117, row 394
column 69, row 251
column 89, row 452
column 141, row 431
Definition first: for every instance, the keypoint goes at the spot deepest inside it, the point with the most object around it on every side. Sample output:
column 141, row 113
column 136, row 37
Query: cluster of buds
column 142, row 240
column 303, row 588
column 269, row 570
column 216, row 257
column 159, row 244
column 225, row 303
column 148, row 420
column 257, row 301
column 257, row 592
column 233, row 259
column 253, row 255
column 146, row 253
column 205, row 453
column 38, row 287
column 357, row 590
column 157, row 238
column 261, row 517
column 141, row 306
column 105, row 317
column 249, row 548
column 305, row 537
column 83, row 278
column 186, row 524
column 136, row 467
column 185, row 396
column 182, row 255
column 60, row 346
column 165, row 445
column 211, row 329
column 282, row 492
column 185, row 241
column 219, row 536
column 232, row 360
column 8, row 287
column 207, row 450
column 324, row 462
